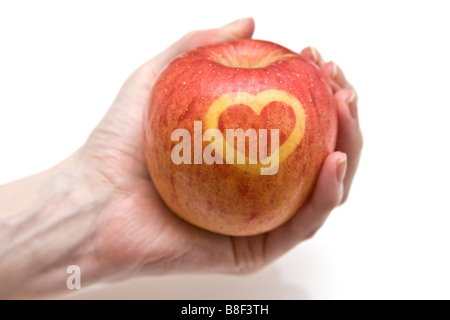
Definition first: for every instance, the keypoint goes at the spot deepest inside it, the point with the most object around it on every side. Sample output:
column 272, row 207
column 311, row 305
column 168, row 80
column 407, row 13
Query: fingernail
column 314, row 54
column 335, row 70
column 341, row 168
column 352, row 106
column 351, row 96
column 235, row 24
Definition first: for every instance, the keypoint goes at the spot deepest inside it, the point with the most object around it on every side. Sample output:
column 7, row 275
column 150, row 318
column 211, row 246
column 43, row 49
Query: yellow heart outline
column 257, row 103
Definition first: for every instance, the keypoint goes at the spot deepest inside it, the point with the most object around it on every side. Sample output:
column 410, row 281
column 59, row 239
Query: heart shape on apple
column 257, row 103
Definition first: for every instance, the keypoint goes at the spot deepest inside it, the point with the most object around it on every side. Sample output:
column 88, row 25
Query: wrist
column 52, row 226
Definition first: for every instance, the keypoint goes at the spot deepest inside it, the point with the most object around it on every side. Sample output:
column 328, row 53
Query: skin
column 98, row 209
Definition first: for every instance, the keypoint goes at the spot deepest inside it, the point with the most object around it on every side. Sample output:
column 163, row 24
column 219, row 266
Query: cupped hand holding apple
column 139, row 234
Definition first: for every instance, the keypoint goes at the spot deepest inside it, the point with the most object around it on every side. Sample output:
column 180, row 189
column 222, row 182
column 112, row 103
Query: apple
column 236, row 134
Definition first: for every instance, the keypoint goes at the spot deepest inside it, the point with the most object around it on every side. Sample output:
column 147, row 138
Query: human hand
column 137, row 234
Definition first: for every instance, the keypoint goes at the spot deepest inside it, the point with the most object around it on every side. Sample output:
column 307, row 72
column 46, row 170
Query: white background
column 61, row 64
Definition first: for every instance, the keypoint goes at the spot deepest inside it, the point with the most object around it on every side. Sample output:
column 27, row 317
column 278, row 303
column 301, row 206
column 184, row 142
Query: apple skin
column 223, row 198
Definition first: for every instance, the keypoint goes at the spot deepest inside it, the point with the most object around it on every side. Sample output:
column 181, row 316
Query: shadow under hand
column 266, row 284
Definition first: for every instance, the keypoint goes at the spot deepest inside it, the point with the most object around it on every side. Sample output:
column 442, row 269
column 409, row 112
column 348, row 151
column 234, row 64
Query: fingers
column 242, row 28
column 314, row 55
column 335, row 76
column 349, row 139
column 330, row 69
column 327, row 195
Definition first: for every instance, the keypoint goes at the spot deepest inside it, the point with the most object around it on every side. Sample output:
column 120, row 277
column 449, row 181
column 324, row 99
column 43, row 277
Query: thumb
column 135, row 90
column 143, row 78
column 242, row 28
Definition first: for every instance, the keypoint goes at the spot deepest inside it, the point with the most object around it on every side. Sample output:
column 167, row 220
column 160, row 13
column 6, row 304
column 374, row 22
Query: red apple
column 282, row 103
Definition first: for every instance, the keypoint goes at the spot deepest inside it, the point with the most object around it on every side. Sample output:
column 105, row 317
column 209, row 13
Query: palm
column 141, row 234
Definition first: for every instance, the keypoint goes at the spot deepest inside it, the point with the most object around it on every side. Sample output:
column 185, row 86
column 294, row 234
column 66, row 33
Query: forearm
column 48, row 222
